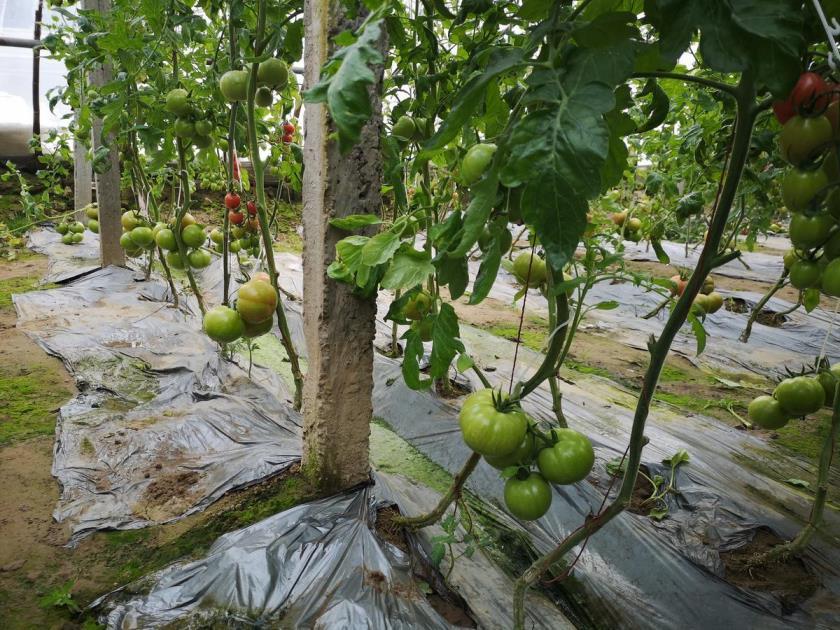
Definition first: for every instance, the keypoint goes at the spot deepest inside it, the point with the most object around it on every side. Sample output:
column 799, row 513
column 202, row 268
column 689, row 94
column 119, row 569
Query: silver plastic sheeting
column 317, row 565
column 162, row 426
column 65, row 261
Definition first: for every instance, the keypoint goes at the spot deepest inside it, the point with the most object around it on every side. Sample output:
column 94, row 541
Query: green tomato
column 67, row 238
column 537, row 273
column 178, row 102
column 77, row 237
column 831, row 249
column 569, row 460
column 420, row 129
column 805, row 274
column 258, row 330
column 486, row 239
column 831, row 278
column 93, row 226
column 130, row 220
column 418, row 306
column 404, row 128
column 193, row 236
column 184, row 128
column 807, row 232
column 801, row 138
column 77, row 227
column 263, row 97
column 223, row 324
column 142, row 236
column 766, row 412
column 476, row 161
column 528, row 499
column 217, row 236
column 175, row 260
column 92, row 211
column 523, row 455
column 714, row 302
column 202, row 142
column 273, row 73
column 62, row 228
column 487, row 430
column 789, row 258
column 234, row 246
column 256, row 301
column 126, row 242
column 203, row 127
column 199, row 259
column 234, row 85
column 828, row 380
column 799, row 188
column 800, row 395
column 165, row 239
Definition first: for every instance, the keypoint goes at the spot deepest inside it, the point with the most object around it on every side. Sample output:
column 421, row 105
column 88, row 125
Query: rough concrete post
column 339, row 327
column 82, row 178
column 108, row 182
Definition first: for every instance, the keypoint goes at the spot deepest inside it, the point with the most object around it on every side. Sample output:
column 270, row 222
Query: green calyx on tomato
column 803, row 138
column 767, row 412
column 800, row 395
column 178, row 102
column 476, row 161
column 569, row 460
column 490, row 425
column 800, row 187
column 807, row 232
column 527, row 499
column 223, row 324
column 234, row 85
column 256, row 301
column 529, row 270
column 274, row 73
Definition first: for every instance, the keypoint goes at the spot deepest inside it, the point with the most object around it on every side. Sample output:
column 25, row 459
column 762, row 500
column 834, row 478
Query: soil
column 642, row 491
column 447, row 604
column 765, row 316
column 787, row 579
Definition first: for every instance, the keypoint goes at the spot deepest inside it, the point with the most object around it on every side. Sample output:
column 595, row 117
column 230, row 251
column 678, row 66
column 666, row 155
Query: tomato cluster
column 706, row 302
column 794, row 397
column 511, row 441
column 252, row 317
column 245, row 227
column 631, row 228
column 72, row 232
column 188, row 126
column 808, row 141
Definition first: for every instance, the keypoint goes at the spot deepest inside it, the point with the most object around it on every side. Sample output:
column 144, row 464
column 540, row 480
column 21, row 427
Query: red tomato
column 288, row 128
column 806, row 94
column 784, row 110
column 287, row 139
column 232, row 201
column 236, row 218
column 252, row 208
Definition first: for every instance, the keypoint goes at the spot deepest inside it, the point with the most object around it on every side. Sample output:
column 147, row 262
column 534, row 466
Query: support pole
column 338, row 325
column 108, row 181
column 82, row 178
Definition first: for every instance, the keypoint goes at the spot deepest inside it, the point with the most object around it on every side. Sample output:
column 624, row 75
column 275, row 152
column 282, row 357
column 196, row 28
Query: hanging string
column 521, row 319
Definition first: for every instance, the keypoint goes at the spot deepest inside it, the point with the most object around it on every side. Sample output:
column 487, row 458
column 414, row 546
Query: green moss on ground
column 805, row 435
column 531, row 338
column 391, row 454
column 31, row 396
column 20, row 284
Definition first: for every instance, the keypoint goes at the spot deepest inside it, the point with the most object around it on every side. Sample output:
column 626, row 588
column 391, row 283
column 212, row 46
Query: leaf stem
column 732, row 90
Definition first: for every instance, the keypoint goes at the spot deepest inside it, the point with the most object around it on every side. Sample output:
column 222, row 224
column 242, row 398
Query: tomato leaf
column 344, row 85
column 475, row 218
column 798, row 483
column 411, row 361
column 487, row 272
column 699, row 332
column 658, row 514
column 810, row 299
column 469, row 96
column 445, row 341
column 465, row 362
column 454, row 273
column 407, row 270
column 380, row 248
column 680, row 457
column 658, row 108
column 355, row 221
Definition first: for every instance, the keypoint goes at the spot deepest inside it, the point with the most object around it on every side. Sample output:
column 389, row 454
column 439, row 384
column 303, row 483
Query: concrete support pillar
column 108, row 181
column 339, row 326
column 82, row 178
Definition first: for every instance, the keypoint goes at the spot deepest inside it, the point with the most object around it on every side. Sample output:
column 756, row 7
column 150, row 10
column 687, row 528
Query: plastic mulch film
column 65, row 261
column 162, row 426
column 317, row 565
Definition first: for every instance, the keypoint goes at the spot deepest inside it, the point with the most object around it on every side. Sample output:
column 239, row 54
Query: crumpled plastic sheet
column 317, row 565
column 637, row 573
column 162, row 426
column 65, row 261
